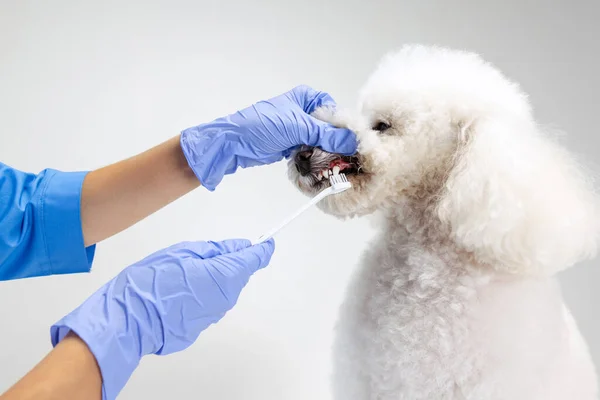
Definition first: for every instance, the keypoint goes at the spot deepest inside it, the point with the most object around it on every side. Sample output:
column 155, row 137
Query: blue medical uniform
column 40, row 224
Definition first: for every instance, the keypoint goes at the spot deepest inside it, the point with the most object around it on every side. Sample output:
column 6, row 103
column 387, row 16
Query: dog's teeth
column 326, row 174
column 336, row 170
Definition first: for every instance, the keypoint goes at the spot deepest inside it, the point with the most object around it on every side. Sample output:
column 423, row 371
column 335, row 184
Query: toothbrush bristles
column 335, row 179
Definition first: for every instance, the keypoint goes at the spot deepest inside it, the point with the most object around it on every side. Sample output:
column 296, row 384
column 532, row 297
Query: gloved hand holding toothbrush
column 263, row 133
column 160, row 304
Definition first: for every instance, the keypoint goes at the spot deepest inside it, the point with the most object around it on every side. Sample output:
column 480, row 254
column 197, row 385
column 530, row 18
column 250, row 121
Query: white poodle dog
column 457, row 298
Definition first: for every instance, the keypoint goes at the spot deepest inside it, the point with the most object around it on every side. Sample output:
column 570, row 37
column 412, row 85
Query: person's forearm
column 120, row 195
column 70, row 371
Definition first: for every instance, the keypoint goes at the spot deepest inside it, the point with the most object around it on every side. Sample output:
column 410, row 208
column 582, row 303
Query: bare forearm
column 70, row 371
column 120, row 195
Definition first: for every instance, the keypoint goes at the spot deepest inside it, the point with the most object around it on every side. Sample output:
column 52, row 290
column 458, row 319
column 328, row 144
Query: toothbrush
column 338, row 184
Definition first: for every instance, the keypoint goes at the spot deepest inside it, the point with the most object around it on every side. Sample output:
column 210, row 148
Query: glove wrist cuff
column 202, row 145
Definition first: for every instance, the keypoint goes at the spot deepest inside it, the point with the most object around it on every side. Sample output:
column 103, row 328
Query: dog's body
column 416, row 326
column 456, row 299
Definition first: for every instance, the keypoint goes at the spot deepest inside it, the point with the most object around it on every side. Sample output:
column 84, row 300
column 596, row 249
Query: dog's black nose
column 302, row 160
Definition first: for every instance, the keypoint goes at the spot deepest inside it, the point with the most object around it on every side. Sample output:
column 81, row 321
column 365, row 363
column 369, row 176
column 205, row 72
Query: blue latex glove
column 161, row 304
column 263, row 133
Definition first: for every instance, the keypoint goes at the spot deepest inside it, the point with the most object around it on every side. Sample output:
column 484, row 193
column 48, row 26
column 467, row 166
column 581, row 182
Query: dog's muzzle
column 315, row 163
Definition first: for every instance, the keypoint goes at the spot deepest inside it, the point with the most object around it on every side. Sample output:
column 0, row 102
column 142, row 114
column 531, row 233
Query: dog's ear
column 518, row 201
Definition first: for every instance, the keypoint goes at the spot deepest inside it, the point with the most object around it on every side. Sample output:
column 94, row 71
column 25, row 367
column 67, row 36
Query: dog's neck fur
column 413, row 221
column 415, row 213
column 428, row 280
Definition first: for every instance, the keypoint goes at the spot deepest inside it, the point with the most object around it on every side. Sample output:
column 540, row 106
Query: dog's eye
column 381, row 127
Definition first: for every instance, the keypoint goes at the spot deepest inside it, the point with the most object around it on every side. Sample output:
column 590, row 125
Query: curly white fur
column 457, row 298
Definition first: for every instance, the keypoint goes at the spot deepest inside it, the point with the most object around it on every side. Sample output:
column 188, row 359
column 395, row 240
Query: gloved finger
column 205, row 250
column 310, row 99
column 250, row 259
column 332, row 139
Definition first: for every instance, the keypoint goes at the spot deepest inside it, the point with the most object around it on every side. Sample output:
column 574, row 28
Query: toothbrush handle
column 324, row 193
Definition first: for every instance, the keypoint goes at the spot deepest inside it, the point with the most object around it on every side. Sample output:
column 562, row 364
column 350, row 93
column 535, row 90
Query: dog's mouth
column 342, row 164
column 316, row 166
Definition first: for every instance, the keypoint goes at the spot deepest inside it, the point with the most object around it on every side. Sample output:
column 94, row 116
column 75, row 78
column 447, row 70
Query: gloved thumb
column 205, row 250
column 250, row 259
column 230, row 246
column 333, row 139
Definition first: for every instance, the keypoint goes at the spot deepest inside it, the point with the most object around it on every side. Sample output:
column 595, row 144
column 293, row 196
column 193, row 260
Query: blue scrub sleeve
column 40, row 224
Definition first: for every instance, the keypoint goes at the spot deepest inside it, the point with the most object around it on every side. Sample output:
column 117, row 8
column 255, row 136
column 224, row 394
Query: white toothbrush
column 338, row 184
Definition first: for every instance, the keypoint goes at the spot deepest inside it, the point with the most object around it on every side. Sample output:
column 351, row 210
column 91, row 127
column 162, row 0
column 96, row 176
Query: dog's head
column 449, row 143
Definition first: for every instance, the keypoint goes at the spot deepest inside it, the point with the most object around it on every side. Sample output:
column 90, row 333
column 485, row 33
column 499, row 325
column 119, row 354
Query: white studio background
column 84, row 84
